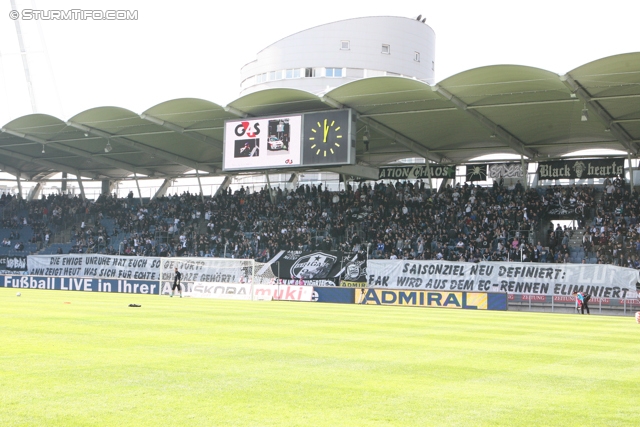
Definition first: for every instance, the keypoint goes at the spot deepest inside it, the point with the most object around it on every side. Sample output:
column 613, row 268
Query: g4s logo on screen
column 245, row 128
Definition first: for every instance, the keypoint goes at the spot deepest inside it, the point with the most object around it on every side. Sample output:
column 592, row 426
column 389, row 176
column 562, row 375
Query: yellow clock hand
column 326, row 130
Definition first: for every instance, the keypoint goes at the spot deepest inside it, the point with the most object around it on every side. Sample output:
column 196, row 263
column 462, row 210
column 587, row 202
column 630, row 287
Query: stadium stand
column 404, row 220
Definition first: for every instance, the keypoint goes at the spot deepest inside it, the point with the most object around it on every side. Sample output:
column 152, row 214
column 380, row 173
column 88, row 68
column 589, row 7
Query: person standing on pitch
column 176, row 282
column 583, row 298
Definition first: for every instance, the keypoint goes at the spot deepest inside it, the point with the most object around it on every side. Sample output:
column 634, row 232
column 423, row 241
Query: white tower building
column 327, row 56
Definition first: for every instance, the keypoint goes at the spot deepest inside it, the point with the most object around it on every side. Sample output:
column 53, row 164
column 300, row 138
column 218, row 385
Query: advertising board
column 323, row 138
column 82, row 284
column 262, row 143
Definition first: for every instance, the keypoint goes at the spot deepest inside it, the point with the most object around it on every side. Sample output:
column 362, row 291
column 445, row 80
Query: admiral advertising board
column 459, row 300
column 325, row 138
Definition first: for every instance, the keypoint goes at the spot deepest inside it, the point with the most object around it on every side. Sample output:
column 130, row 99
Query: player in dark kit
column 176, row 282
column 583, row 300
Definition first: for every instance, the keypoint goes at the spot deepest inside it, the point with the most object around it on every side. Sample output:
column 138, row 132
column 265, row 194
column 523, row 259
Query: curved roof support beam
column 237, row 112
column 625, row 121
column 163, row 188
column 19, row 186
column 412, row 145
column 13, row 171
column 607, row 98
column 361, row 171
column 293, row 179
column 99, row 159
column 42, row 176
column 145, row 148
column 48, row 164
column 225, row 184
column 81, row 188
column 183, row 131
column 35, row 191
column 616, row 130
column 510, row 139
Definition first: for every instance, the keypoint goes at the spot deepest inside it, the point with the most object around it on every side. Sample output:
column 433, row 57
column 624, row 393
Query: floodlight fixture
column 365, row 138
column 585, row 114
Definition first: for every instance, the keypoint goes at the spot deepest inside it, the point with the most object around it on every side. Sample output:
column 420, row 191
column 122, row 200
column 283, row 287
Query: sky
column 196, row 48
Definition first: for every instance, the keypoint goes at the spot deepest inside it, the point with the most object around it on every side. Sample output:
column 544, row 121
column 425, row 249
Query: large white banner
column 101, row 266
column 600, row 280
column 142, row 268
column 210, row 270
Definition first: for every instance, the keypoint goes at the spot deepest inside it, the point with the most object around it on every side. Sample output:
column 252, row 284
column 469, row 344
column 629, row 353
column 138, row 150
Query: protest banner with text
column 600, row 280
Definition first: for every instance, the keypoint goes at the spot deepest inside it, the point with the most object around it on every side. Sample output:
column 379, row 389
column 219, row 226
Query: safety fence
column 563, row 304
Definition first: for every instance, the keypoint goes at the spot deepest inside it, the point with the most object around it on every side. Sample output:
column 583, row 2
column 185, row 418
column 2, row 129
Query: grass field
column 190, row 362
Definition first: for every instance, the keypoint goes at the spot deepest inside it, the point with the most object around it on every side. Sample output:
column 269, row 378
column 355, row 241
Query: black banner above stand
column 581, row 169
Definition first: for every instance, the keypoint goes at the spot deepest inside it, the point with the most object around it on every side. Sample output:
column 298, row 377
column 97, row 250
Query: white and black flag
column 476, row 173
column 13, row 263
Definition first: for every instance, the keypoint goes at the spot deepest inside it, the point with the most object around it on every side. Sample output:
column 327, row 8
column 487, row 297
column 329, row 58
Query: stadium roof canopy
column 495, row 109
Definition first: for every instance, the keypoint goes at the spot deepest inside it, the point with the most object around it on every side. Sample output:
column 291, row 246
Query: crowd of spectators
column 402, row 220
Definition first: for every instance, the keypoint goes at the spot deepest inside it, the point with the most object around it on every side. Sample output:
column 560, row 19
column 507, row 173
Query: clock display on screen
column 326, row 138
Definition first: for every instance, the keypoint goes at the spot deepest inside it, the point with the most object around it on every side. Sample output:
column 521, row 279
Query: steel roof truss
column 48, row 164
column 616, row 130
column 412, row 145
column 100, row 159
column 147, row 149
column 510, row 139
column 183, row 131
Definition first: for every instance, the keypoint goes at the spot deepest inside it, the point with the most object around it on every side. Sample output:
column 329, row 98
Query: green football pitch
column 87, row 359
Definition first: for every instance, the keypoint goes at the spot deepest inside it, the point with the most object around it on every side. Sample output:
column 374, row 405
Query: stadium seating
column 400, row 220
